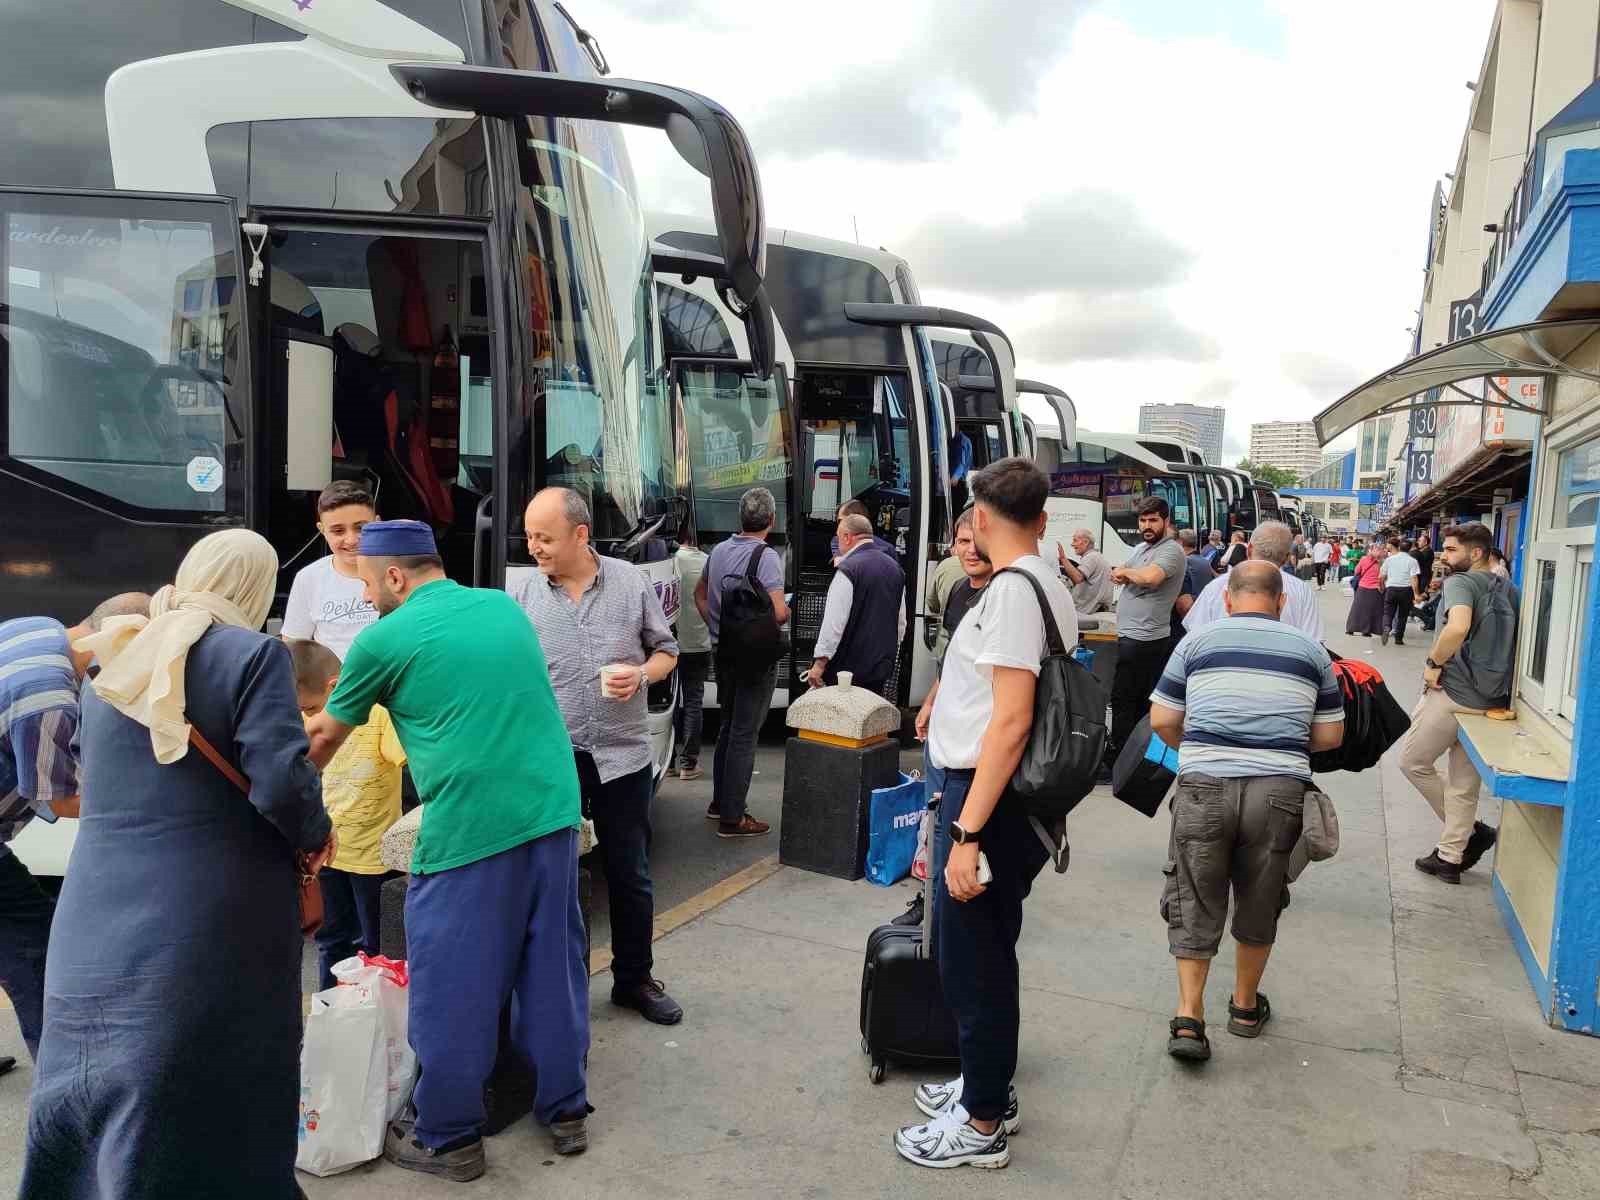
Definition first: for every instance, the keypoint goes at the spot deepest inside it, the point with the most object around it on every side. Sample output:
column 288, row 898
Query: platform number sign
column 1419, row 467
column 1424, row 420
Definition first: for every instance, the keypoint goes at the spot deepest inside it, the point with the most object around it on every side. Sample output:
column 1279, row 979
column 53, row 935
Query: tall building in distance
column 1288, row 445
column 1198, row 424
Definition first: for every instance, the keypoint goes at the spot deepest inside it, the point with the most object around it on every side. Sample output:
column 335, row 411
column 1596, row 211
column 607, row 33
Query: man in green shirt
column 492, row 908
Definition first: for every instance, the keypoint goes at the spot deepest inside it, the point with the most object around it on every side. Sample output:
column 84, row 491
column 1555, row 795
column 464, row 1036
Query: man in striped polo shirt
column 39, row 676
column 1246, row 701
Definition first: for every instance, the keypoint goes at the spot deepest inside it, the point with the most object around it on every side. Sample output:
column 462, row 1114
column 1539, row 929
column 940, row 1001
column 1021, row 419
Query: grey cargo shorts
column 1229, row 831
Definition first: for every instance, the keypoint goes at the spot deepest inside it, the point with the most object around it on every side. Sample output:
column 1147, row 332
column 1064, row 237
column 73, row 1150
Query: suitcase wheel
column 875, row 1072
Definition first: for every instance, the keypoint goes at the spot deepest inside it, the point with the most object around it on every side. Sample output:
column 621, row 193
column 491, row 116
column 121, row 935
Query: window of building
column 1369, row 432
column 1560, row 562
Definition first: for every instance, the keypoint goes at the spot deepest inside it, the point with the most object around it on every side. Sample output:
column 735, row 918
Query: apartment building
column 1288, row 445
column 1196, row 424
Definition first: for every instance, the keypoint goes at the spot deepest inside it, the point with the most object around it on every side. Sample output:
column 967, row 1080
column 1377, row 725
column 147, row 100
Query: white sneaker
column 937, row 1099
column 948, row 1141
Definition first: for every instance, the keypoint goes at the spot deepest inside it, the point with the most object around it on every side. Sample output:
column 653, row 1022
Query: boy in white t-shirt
column 327, row 601
column 982, row 720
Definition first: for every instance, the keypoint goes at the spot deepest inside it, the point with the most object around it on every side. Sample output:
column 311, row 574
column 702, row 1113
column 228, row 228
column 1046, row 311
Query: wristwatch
column 960, row 836
column 1433, row 666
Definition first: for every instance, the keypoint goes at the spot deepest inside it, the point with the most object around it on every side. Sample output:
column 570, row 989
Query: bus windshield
column 1267, row 504
column 606, row 421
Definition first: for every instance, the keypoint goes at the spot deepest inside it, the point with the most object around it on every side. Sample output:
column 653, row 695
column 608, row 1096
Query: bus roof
column 889, row 265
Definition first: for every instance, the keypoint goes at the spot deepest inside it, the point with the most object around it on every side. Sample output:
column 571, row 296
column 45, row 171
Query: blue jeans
column 977, row 946
column 690, row 717
column 505, row 925
column 744, row 703
column 25, row 912
column 349, row 919
column 621, row 813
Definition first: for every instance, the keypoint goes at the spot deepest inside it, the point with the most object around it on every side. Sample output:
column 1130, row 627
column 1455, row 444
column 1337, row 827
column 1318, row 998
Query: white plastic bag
column 356, row 1066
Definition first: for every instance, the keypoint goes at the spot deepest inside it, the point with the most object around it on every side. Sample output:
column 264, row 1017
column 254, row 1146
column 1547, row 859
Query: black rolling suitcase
column 904, row 1016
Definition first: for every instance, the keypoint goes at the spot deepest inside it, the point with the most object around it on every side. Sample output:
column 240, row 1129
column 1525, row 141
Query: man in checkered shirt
column 39, row 677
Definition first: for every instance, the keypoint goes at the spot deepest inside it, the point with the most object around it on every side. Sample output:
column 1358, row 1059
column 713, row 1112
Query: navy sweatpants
column 505, row 925
column 977, row 946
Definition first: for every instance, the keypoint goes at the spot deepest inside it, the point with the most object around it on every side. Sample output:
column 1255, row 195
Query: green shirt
column 464, row 679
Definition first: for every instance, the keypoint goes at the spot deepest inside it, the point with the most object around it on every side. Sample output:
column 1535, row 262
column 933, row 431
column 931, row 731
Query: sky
column 1214, row 201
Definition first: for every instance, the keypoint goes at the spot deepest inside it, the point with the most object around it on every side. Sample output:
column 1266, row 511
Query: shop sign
column 1464, row 316
column 1460, row 432
column 1501, row 424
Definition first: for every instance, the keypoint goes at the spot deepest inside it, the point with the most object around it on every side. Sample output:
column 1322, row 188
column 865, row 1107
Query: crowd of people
column 220, row 767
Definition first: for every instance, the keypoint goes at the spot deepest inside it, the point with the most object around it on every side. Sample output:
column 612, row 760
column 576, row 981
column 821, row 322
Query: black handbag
column 1068, row 738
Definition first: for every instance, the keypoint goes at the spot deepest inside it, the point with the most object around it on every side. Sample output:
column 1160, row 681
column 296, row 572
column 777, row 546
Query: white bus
column 285, row 243
column 857, row 408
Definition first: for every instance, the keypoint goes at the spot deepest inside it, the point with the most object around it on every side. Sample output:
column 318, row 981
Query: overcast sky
column 1222, row 201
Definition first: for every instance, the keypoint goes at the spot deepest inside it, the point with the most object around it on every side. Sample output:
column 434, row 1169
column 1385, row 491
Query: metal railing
column 1505, row 234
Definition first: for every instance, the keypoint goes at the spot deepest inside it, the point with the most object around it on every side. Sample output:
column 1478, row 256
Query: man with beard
column 1151, row 580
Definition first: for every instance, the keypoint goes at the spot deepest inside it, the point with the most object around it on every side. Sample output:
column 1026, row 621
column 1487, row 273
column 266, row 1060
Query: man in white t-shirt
column 1269, row 541
column 1402, row 589
column 1321, row 556
column 327, row 602
column 981, row 722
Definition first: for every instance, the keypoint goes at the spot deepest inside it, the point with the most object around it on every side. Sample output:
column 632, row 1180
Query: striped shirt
column 1250, row 688
column 38, row 722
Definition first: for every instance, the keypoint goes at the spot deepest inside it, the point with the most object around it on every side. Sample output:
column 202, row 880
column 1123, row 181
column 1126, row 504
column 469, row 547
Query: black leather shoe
column 912, row 917
column 1445, row 872
column 1480, row 843
column 650, row 1000
column 6, row 1063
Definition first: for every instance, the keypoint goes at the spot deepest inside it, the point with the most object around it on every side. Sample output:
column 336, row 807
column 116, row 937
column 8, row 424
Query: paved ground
column 1407, row 1058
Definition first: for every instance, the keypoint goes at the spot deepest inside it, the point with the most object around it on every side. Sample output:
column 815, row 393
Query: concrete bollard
column 845, row 746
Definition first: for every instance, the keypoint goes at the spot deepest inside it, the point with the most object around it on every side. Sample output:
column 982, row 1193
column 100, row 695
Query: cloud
column 1124, row 328
column 868, row 115
column 904, row 110
column 1084, row 241
column 1323, row 375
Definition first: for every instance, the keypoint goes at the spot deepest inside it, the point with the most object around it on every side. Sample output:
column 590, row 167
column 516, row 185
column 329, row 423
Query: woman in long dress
column 1366, row 610
column 169, row 1062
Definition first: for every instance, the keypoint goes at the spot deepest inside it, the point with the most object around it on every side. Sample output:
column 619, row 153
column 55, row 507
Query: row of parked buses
column 261, row 245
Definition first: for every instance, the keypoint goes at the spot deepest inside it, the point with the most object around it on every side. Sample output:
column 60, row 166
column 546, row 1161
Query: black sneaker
column 1445, row 872
column 650, row 1000
column 457, row 1162
column 912, row 917
column 1480, row 843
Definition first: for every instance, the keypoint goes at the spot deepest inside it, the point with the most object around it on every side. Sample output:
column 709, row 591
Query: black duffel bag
column 1144, row 771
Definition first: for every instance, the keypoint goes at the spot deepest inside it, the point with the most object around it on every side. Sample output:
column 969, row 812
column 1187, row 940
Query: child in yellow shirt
column 361, row 791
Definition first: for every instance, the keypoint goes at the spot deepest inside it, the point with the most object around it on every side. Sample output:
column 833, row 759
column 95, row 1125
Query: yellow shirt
column 361, row 791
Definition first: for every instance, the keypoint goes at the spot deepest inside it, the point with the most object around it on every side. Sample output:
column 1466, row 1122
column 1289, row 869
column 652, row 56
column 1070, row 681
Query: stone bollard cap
column 844, row 712
column 399, row 839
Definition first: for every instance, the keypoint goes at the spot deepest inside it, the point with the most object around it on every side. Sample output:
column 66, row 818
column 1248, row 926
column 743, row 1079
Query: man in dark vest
column 865, row 617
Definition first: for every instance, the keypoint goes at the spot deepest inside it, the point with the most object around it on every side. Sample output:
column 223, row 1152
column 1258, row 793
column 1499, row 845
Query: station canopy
column 1540, row 348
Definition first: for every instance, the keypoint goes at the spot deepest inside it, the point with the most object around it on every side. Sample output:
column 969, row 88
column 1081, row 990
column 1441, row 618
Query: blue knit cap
column 396, row 539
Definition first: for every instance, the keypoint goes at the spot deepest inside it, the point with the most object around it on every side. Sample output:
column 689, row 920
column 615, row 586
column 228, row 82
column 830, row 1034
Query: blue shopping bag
column 892, row 836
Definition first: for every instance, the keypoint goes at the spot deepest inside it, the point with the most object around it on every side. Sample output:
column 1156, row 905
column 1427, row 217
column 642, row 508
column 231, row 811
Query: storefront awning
column 1540, row 348
column 1472, row 484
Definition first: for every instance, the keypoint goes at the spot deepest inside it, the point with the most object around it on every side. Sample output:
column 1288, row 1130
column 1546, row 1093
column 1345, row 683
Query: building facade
column 1513, row 274
column 1197, row 424
column 1287, row 445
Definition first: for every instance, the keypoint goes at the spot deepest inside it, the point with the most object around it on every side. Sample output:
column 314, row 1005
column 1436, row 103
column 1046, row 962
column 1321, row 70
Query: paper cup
column 612, row 672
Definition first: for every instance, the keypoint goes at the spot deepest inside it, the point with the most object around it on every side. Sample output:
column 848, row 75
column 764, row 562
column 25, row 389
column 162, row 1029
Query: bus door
column 126, row 417
column 855, row 440
column 384, row 368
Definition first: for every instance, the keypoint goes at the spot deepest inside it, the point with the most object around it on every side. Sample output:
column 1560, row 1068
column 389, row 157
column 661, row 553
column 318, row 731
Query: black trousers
column 1322, row 573
column 976, row 944
column 1397, row 605
column 620, row 809
column 25, row 912
column 1139, row 667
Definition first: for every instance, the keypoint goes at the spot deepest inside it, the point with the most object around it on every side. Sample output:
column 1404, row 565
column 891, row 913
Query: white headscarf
column 227, row 577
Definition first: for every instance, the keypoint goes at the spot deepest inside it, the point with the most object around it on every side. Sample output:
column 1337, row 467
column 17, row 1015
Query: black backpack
column 749, row 640
column 1068, row 738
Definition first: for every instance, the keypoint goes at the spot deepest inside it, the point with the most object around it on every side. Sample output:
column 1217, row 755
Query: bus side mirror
column 308, row 402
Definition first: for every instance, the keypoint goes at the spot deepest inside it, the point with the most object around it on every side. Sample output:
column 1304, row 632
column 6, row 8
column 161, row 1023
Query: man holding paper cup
column 606, row 640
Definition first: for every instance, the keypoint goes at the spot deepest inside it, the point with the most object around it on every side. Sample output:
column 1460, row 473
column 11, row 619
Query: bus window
column 737, row 428
column 866, row 458
column 1174, row 489
column 691, row 326
column 118, row 321
column 1122, row 495
column 994, row 440
column 1203, row 505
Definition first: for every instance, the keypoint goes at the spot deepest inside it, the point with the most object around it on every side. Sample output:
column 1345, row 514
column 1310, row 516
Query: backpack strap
column 1052, row 631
